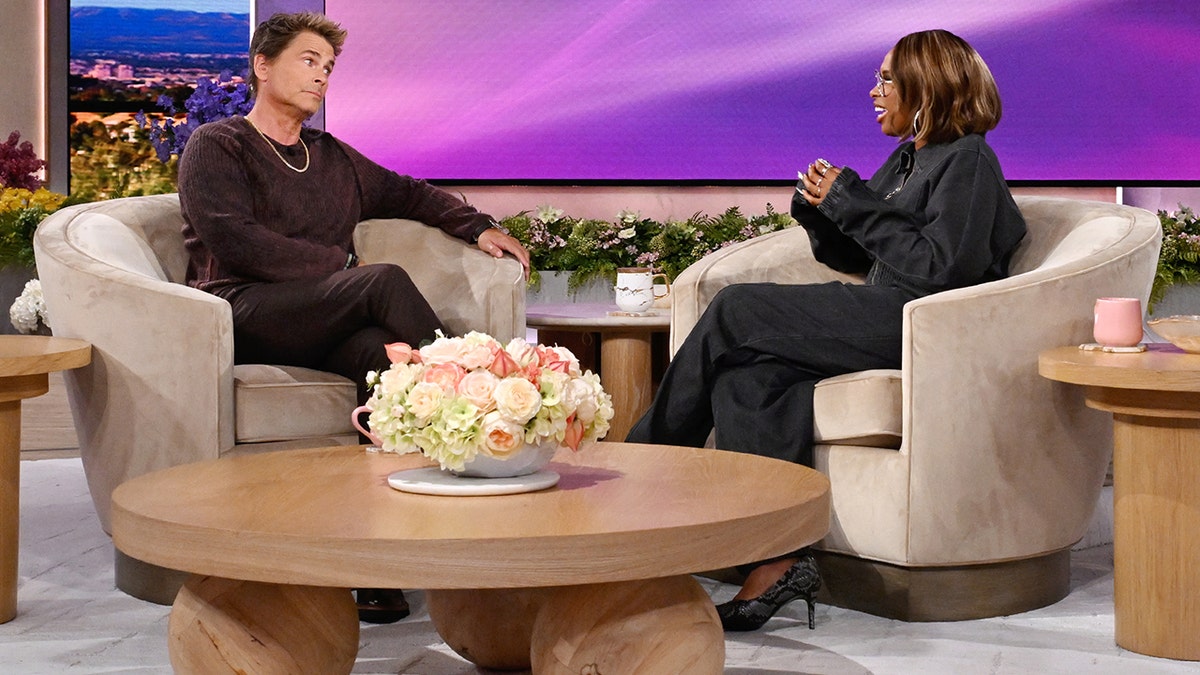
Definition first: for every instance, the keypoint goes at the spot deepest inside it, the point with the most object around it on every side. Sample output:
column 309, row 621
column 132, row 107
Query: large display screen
column 749, row 91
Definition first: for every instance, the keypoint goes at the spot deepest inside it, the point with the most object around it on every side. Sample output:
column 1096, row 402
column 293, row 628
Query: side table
column 1154, row 397
column 25, row 364
column 625, row 351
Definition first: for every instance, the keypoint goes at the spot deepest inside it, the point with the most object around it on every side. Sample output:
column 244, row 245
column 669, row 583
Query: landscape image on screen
column 123, row 59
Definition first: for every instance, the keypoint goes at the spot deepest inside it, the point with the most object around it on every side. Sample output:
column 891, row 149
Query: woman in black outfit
column 938, row 215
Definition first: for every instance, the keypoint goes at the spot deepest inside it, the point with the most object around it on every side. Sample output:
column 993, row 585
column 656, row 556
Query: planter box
column 553, row 290
column 12, row 282
column 1180, row 299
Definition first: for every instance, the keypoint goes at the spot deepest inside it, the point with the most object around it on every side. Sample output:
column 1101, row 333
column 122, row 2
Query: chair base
column 957, row 593
column 145, row 581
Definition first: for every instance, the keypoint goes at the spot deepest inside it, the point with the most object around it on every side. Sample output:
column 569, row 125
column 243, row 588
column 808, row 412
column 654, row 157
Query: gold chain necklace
column 285, row 162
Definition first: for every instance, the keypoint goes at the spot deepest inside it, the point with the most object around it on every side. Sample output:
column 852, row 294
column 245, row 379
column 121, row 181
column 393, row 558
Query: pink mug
column 365, row 432
column 1118, row 322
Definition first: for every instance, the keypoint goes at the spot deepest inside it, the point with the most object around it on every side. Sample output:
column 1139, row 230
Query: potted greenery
column 1178, row 261
column 591, row 250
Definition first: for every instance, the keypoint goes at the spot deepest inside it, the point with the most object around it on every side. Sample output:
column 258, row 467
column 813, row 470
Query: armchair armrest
column 469, row 289
column 783, row 257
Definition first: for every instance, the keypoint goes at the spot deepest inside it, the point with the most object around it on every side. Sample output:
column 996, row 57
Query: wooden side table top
column 39, row 354
column 593, row 316
column 1154, row 397
column 25, row 362
column 326, row 517
column 1162, row 367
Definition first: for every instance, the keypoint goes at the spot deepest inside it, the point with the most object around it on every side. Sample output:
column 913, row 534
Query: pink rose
column 445, row 375
column 402, row 352
column 503, row 365
column 477, row 387
column 560, row 359
column 533, row 373
column 574, row 433
column 476, row 356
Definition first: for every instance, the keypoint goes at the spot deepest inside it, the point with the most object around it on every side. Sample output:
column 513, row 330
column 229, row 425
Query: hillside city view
column 121, row 61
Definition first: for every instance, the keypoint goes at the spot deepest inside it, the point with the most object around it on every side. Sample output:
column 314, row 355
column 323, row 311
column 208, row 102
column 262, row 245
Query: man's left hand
column 495, row 242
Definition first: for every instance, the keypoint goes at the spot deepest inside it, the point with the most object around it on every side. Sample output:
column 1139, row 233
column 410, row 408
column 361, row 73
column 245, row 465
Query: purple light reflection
column 667, row 90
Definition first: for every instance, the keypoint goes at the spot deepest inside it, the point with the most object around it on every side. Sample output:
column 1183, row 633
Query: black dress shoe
column 801, row 580
column 381, row 605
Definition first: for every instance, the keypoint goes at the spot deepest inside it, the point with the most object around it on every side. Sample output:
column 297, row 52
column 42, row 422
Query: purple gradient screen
column 698, row 90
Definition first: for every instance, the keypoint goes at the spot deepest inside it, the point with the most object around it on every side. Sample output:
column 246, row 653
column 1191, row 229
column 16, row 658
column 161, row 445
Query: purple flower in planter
column 212, row 100
column 19, row 163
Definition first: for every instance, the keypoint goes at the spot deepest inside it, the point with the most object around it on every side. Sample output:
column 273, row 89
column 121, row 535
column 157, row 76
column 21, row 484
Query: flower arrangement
column 23, row 204
column 212, row 100
column 1179, row 259
column 28, row 311
column 19, row 164
column 459, row 397
column 593, row 249
column 21, row 209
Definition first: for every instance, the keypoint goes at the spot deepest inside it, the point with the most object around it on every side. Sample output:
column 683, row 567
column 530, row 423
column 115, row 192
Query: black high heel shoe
column 801, row 580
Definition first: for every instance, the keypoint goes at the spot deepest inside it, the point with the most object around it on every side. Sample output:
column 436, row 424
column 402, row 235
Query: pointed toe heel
column 802, row 580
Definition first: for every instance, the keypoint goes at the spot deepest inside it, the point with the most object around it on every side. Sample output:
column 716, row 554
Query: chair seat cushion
column 861, row 408
column 281, row 403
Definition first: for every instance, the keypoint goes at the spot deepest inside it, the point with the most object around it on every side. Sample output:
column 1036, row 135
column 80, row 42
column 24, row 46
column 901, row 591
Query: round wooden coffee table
column 25, row 364
column 1154, row 397
column 595, row 571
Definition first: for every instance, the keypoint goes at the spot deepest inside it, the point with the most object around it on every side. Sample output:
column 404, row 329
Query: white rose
column 580, row 393
column 478, row 350
column 501, row 437
column 517, row 399
column 521, row 351
column 478, row 386
column 424, row 400
column 444, row 350
column 399, row 377
column 553, row 387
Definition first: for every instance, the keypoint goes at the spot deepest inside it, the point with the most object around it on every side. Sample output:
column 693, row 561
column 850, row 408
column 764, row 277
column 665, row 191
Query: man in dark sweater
column 270, row 209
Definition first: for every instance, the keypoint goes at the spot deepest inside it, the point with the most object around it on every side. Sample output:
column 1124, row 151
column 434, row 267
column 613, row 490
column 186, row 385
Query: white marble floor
column 72, row 620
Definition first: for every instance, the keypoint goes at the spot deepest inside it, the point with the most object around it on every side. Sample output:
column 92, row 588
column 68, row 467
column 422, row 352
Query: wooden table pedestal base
column 654, row 625
column 648, row 626
column 625, row 359
column 1156, row 530
column 229, row 626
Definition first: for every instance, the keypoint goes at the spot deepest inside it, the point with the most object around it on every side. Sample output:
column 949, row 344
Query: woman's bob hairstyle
column 946, row 86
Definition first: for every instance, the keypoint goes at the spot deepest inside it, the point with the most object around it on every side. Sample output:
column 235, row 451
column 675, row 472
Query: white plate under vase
column 520, row 472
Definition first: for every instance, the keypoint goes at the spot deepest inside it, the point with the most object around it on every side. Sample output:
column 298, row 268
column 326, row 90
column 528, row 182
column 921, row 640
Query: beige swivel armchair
column 162, row 388
column 960, row 481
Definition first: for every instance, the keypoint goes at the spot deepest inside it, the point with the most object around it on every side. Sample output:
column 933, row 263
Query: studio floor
column 72, row 620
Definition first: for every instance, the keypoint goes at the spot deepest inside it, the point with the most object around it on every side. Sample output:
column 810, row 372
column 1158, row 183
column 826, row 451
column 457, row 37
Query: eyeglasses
column 880, row 82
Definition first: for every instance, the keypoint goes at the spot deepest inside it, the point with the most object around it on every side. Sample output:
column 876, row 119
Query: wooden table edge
column 438, row 563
